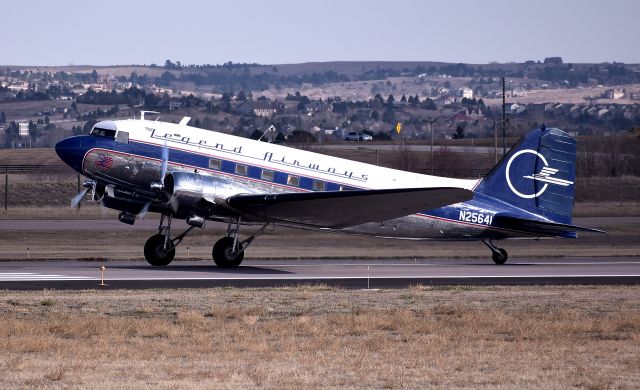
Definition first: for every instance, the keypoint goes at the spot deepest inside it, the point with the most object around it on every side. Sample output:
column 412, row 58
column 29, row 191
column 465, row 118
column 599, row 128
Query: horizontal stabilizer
column 340, row 209
column 542, row 228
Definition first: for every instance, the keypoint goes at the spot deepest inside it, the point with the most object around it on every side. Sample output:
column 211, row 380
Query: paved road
column 349, row 274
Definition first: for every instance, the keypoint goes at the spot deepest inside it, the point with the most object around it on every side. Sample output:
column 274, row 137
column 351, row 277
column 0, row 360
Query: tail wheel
column 500, row 256
column 156, row 254
column 225, row 255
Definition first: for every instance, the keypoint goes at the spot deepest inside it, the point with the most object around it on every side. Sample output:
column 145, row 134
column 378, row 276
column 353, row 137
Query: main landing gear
column 228, row 252
column 499, row 255
column 160, row 249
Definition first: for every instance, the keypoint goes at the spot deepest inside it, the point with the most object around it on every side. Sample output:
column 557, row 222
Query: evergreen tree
column 390, row 100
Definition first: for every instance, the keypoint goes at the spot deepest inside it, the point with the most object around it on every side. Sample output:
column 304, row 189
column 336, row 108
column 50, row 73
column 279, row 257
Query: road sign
column 398, row 127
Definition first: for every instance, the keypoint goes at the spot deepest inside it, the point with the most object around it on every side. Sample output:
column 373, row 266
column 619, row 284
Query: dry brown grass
column 320, row 337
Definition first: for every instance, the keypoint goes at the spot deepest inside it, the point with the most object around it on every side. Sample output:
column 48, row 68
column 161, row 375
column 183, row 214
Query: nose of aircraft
column 71, row 152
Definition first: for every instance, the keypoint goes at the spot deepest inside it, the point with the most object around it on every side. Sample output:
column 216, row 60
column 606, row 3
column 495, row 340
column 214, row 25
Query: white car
column 357, row 136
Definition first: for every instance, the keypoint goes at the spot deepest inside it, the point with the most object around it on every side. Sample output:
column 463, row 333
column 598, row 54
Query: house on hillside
column 614, row 93
column 466, row 93
column 261, row 108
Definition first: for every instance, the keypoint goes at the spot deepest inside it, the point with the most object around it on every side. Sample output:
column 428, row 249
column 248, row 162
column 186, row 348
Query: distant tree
column 378, row 100
column 3, row 117
column 94, row 76
column 256, row 134
column 46, row 120
column 382, row 136
column 375, row 115
column 459, row 134
column 241, row 97
column 390, row 100
column 88, row 126
column 33, row 130
column 403, row 99
column 301, row 137
column 429, row 104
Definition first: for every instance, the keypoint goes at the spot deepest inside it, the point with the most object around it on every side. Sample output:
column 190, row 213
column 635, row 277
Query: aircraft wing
column 340, row 209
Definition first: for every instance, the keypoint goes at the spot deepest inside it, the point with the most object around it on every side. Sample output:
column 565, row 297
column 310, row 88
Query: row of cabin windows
column 268, row 175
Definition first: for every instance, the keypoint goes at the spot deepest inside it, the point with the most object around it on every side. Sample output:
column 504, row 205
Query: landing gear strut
column 228, row 252
column 499, row 255
column 160, row 249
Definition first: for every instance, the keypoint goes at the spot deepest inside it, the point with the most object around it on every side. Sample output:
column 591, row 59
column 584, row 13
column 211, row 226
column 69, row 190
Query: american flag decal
column 104, row 162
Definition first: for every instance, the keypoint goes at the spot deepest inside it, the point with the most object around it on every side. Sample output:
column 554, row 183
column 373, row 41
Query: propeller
column 76, row 199
column 158, row 186
column 144, row 210
column 165, row 161
column 88, row 185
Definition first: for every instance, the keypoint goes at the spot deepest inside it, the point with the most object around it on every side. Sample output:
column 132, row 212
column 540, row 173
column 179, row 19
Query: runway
column 37, row 275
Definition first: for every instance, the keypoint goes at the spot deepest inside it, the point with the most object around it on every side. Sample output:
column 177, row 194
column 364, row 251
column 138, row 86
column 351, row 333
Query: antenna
column 272, row 129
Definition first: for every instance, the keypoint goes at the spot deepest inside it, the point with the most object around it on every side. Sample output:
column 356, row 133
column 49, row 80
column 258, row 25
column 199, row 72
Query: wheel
column 156, row 254
column 224, row 254
column 500, row 257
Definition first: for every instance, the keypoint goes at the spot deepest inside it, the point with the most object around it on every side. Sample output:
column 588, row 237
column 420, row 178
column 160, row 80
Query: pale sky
column 118, row 32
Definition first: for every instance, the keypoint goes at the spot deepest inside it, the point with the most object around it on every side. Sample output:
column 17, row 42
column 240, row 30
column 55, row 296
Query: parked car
column 357, row 136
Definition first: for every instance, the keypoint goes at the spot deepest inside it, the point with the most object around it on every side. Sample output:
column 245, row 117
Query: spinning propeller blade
column 76, row 199
column 165, row 161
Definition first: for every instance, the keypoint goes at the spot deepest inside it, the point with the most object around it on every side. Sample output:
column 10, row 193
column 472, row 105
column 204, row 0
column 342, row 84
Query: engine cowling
column 185, row 192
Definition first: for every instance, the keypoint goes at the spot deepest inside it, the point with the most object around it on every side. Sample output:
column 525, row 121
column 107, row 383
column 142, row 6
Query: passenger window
column 319, row 185
column 214, row 163
column 293, row 180
column 122, row 137
column 266, row 175
column 241, row 169
column 347, row 188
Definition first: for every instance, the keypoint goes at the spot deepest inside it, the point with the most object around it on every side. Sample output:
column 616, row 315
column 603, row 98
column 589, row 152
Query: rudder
column 537, row 175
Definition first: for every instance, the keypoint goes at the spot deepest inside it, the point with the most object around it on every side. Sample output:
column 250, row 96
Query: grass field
column 485, row 337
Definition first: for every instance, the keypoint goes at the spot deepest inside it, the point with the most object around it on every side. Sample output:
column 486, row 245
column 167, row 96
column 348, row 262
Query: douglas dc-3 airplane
column 141, row 165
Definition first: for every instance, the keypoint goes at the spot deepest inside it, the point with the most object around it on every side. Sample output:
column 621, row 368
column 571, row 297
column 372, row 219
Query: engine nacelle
column 185, row 191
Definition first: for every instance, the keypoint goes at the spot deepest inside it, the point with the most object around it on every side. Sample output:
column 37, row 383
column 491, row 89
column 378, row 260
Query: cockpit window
column 100, row 132
column 122, row 137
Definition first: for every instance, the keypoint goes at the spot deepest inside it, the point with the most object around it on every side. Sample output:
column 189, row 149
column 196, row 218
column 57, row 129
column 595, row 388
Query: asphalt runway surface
column 36, row 275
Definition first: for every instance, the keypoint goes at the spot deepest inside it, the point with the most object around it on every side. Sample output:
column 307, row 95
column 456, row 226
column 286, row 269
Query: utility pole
column 504, row 119
column 495, row 136
column 431, row 122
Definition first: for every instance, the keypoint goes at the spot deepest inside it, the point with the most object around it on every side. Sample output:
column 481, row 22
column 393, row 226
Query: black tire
column 500, row 257
column 224, row 254
column 154, row 251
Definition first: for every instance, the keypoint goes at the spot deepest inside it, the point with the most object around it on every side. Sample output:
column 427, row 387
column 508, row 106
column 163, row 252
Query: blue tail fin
column 537, row 175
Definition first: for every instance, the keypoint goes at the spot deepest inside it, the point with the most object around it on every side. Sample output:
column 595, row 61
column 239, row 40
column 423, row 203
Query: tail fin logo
column 545, row 175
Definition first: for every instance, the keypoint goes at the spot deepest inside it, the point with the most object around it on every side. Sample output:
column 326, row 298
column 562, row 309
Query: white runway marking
column 30, row 276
